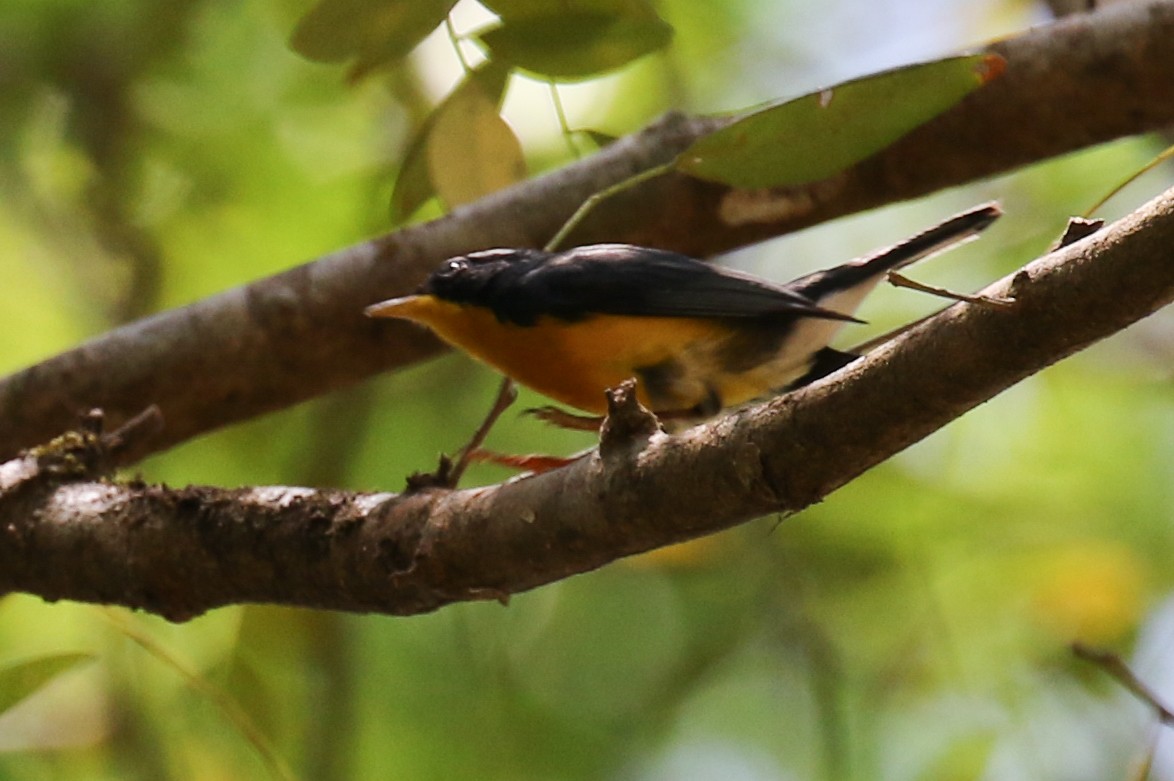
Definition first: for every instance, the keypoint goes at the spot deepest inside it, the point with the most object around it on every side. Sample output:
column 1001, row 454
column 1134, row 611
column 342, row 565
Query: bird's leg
column 531, row 462
column 560, row 418
column 563, row 419
column 537, row 462
column 606, row 425
column 449, row 472
column 507, row 394
column 707, row 408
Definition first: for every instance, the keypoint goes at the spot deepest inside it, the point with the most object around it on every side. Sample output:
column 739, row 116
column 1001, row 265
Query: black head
column 481, row 278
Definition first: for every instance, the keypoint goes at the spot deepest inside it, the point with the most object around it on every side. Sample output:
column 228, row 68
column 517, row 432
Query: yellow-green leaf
column 413, row 184
column 472, row 151
column 579, row 43
column 815, row 136
column 21, row 679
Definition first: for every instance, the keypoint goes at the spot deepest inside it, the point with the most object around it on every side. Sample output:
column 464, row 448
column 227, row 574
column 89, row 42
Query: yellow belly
column 573, row 363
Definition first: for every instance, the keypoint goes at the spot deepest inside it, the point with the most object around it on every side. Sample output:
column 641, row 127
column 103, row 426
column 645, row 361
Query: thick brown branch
column 279, row 341
column 180, row 552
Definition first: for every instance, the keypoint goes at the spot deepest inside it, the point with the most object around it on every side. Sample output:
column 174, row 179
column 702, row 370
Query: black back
column 521, row 285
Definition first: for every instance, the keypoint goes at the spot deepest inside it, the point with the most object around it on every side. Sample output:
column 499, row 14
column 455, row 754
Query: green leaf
column 374, row 32
column 472, row 151
column 820, row 134
column 333, row 30
column 580, row 43
column 413, row 185
column 517, row 9
column 22, row 679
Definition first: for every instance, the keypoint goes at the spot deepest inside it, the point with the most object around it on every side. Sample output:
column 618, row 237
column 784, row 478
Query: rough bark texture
column 179, row 552
column 300, row 334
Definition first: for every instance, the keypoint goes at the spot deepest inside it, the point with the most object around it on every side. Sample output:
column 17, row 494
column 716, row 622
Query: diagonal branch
column 179, row 552
column 299, row 334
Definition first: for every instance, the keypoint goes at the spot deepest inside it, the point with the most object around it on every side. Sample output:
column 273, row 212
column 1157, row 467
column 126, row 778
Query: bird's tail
column 956, row 230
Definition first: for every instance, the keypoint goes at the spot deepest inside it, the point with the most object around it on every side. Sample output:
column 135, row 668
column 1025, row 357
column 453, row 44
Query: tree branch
column 299, row 334
column 179, row 552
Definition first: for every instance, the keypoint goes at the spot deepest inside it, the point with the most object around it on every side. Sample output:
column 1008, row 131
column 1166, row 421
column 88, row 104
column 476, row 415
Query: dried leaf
column 471, row 150
column 413, row 185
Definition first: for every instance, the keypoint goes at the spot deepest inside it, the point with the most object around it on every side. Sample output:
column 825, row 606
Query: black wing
column 521, row 285
column 620, row 279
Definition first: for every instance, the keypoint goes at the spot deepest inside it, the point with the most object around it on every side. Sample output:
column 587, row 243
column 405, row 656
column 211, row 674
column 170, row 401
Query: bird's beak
column 404, row 307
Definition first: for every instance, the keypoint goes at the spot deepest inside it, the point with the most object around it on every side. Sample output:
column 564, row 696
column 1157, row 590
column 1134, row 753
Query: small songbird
column 698, row 338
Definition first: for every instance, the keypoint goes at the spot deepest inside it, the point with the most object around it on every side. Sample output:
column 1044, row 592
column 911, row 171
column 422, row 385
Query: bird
column 697, row 337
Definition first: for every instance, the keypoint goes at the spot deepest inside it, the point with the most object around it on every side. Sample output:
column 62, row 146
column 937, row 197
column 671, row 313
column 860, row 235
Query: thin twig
column 602, row 195
column 143, row 425
column 564, row 125
column 455, row 40
column 900, row 280
column 1119, row 671
column 1163, row 156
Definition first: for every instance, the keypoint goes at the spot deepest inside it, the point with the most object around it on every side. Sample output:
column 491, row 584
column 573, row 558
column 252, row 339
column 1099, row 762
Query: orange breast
column 572, row 363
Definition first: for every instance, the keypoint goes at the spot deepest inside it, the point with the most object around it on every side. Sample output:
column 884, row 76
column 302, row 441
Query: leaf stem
column 560, row 112
column 228, row 707
column 455, row 40
column 594, row 200
column 1164, row 155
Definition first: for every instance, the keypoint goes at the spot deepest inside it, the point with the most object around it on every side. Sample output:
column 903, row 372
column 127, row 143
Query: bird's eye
column 453, row 267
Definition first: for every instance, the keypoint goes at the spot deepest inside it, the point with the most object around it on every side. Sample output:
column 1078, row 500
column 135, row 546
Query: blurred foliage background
column 914, row 626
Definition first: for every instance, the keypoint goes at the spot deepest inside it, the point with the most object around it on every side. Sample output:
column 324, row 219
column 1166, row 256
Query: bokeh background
column 915, row 625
